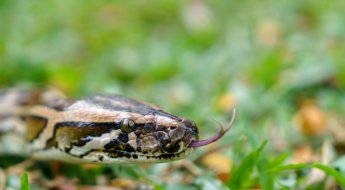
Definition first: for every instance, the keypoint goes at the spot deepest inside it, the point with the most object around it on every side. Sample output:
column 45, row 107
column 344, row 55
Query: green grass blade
column 332, row 172
column 24, row 182
column 327, row 169
column 288, row 167
column 278, row 161
column 242, row 173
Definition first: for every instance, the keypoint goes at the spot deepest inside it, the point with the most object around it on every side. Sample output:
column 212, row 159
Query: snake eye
column 127, row 125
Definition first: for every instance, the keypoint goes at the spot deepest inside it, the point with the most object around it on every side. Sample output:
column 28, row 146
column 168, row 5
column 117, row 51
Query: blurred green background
column 197, row 59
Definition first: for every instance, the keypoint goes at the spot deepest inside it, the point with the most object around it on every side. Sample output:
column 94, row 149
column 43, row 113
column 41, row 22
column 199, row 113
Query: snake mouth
column 150, row 158
column 216, row 137
column 181, row 150
column 165, row 157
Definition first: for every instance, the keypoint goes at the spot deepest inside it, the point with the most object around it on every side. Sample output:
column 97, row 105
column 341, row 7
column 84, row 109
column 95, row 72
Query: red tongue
column 216, row 137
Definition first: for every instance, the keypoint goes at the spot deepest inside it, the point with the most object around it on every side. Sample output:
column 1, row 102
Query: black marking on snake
column 100, row 157
column 116, row 145
column 68, row 149
column 149, row 127
column 123, row 137
column 85, row 154
column 114, row 125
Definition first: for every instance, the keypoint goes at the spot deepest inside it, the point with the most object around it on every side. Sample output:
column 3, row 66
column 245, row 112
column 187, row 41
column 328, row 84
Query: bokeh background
column 280, row 63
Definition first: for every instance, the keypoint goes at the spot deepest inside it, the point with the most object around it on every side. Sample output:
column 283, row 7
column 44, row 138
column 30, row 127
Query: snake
column 46, row 125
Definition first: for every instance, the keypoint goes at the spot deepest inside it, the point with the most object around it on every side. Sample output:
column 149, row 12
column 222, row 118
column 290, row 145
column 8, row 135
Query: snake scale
column 44, row 124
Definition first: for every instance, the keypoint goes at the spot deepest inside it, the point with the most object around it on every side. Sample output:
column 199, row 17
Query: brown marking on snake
column 35, row 126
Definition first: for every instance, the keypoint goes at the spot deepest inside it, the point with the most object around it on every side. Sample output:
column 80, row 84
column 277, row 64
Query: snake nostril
column 172, row 127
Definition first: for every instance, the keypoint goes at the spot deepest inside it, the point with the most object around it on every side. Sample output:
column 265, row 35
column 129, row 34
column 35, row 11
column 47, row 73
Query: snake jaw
column 219, row 135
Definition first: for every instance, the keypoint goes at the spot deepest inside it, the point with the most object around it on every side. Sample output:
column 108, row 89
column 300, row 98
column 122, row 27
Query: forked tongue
column 216, row 137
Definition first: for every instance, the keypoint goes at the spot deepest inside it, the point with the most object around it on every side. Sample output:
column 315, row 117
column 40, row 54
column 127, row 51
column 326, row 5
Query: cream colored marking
column 133, row 143
column 47, row 133
column 95, row 143
column 132, row 140
column 132, row 136
column 114, row 103
column 97, row 115
column 140, row 120
column 43, row 111
column 165, row 121
column 77, row 151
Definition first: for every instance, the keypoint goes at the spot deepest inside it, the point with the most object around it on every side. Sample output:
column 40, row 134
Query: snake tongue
column 216, row 137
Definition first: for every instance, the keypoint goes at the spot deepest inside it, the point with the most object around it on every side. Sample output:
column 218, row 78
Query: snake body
column 44, row 124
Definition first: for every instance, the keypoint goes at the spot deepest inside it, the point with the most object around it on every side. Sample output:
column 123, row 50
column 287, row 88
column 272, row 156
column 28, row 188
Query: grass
column 244, row 171
column 328, row 170
column 279, row 63
column 24, row 182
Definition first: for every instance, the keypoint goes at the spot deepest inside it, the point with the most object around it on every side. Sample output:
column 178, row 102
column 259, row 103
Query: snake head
column 168, row 137
column 178, row 136
column 120, row 129
column 165, row 138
